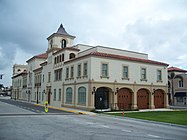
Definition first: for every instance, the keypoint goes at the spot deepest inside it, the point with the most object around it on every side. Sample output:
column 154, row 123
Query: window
column 104, row 70
column 63, row 43
column 54, row 94
column 55, row 60
column 49, row 77
column 125, row 72
column 180, row 83
column 35, row 96
column 62, row 57
column 58, row 75
column 59, row 94
column 39, row 95
column 159, row 75
column 69, row 95
column 179, row 99
column 72, row 72
column 42, row 96
column 85, row 72
column 143, row 74
column 72, row 55
column 82, row 96
column 67, row 72
column 79, row 70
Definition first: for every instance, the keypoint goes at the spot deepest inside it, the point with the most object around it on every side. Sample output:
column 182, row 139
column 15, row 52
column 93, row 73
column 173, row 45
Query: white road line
column 89, row 123
column 124, row 130
column 105, row 126
column 154, row 136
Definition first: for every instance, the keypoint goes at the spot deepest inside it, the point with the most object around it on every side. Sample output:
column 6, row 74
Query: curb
column 147, row 121
column 68, row 110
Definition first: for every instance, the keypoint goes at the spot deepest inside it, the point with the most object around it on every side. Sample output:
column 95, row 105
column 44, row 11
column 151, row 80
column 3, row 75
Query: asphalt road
column 29, row 106
column 81, row 127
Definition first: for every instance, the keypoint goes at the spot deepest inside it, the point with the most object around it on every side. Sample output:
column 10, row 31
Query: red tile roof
column 40, row 56
column 127, row 58
column 106, row 55
column 43, row 56
column 176, row 69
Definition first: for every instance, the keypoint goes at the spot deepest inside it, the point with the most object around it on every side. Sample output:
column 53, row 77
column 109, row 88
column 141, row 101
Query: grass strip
column 174, row 117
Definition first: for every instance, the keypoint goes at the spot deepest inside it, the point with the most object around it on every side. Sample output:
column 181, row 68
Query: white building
column 95, row 77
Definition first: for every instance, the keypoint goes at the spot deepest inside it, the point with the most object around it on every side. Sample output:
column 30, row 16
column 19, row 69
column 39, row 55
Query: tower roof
column 62, row 32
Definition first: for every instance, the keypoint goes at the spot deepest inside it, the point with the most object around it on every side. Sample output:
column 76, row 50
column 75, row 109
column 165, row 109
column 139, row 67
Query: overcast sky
column 155, row 27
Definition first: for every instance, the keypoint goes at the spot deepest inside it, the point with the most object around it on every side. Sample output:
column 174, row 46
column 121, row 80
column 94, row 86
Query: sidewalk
column 143, row 110
column 179, row 107
column 72, row 110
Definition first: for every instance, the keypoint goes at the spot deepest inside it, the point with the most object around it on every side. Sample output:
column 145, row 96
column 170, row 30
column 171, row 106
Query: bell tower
column 60, row 39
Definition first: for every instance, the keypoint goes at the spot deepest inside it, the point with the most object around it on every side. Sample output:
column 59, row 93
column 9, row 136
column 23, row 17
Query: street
column 20, row 123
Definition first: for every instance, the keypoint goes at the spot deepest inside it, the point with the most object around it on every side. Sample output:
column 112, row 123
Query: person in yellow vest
column 46, row 106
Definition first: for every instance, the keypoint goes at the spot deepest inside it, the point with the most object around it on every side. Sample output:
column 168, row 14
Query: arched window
column 55, row 60
column 63, row 43
column 69, row 95
column 62, row 57
column 71, row 55
column 82, row 96
column 180, row 83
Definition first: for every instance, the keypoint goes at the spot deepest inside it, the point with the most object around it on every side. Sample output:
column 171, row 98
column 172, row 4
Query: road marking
column 154, row 136
column 105, row 126
column 124, row 130
column 89, row 123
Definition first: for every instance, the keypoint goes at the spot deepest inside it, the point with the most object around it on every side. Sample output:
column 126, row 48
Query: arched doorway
column 102, row 98
column 143, row 99
column 124, row 98
column 159, row 98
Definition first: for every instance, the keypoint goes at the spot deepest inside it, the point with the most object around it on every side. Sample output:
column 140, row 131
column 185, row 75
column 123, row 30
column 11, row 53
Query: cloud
column 159, row 38
column 156, row 27
column 7, row 54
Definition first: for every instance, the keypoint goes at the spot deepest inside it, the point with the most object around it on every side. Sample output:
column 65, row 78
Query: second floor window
column 58, row 75
column 67, row 72
column 72, row 72
column 159, row 75
column 143, row 74
column 181, row 83
column 125, row 72
column 104, row 70
column 85, row 73
column 79, row 70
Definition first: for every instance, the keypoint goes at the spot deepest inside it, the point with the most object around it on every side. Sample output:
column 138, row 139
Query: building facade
column 95, row 77
column 177, row 86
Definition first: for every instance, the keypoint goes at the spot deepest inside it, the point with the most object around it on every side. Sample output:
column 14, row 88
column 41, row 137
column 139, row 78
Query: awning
column 180, row 94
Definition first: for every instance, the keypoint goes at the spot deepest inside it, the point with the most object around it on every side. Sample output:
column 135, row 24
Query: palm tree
column 171, row 77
